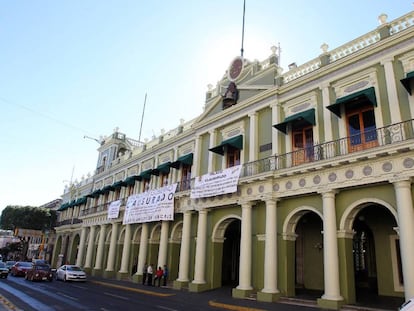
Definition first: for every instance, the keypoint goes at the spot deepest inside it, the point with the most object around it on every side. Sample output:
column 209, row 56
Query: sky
column 72, row 68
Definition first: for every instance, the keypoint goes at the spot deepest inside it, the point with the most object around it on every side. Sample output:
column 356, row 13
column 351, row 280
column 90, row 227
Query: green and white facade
column 324, row 201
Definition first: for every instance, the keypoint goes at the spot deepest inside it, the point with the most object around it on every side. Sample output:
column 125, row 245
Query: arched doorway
column 374, row 226
column 74, row 249
column 231, row 254
column 309, row 272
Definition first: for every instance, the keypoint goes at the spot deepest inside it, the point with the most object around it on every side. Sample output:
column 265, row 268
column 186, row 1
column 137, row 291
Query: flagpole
column 142, row 118
column 244, row 9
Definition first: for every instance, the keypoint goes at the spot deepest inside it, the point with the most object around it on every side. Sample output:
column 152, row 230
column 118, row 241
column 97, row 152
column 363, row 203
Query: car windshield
column 25, row 264
column 10, row 263
column 2, row 265
column 74, row 268
column 43, row 267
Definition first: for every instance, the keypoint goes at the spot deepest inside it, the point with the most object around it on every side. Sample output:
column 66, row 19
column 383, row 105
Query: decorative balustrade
column 402, row 23
column 376, row 138
column 391, row 134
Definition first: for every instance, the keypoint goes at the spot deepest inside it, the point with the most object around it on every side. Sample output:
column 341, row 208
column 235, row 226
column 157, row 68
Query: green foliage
column 27, row 217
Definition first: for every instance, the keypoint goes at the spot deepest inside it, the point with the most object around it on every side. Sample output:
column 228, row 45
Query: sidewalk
column 6, row 305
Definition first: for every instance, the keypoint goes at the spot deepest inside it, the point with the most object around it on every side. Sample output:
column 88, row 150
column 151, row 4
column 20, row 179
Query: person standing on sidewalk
column 165, row 276
column 144, row 273
column 158, row 276
column 149, row 274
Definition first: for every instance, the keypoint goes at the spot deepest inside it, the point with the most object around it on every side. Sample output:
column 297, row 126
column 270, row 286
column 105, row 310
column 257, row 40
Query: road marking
column 137, row 290
column 166, row 308
column 231, row 307
column 116, row 296
column 67, row 296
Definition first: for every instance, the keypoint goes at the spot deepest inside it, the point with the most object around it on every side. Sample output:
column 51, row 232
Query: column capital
column 245, row 203
column 252, row 114
column 269, row 197
column 328, row 192
column 387, row 60
column 401, row 180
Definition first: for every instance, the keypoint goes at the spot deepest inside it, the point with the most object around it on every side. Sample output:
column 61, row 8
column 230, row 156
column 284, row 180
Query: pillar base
column 329, row 304
column 137, row 278
column 241, row 293
column 268, row 297
column 180, row 284
column 109, row 274
column 88, row 270
column 122, row 276
column 97, row 272
column 197, row 287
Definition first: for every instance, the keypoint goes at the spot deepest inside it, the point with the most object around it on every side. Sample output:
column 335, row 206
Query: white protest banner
column 113, row 209
column 216, row 183
column 152, row 205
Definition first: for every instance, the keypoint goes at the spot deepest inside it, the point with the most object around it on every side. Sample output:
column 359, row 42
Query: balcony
column 377, row 138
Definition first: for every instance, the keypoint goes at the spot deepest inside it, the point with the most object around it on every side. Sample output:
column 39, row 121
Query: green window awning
column 63, row 207
column 146, row 174
column 408, row 81
column 118, row 184
column 364, row 95
column 162, row 168
column 80, row 201
column 185, row 159
column 306, row 117
column 130, row 181
column 235, row 142
column 94, row 194
column 106, row 189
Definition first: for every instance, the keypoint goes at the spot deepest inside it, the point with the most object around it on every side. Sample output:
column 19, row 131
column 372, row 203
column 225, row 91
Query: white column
column 200, row 259
column 392, row 90
column 330, row 248
column 275, row 132
column 183, row 270
column 101, row 245
column 163, row 249
column 126, row 249
column 79, row 259
column 212, row 155
column 91, row 245
column 270, row 262
column 327, row 114
column 196, row 162
column 112, row 248
column 143, row 246
column 245, row 271
column 253, row 137
column 406, row 225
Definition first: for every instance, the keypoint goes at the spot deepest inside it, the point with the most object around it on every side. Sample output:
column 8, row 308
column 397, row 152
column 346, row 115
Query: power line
column 44, row 115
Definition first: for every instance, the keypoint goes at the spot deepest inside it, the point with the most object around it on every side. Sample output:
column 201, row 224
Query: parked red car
column 39, row 273
column 20, row 268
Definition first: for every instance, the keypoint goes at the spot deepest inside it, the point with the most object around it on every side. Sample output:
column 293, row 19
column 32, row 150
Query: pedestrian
column 158, row 276
column 149, row 275
column 144, row 273
column 165, row 275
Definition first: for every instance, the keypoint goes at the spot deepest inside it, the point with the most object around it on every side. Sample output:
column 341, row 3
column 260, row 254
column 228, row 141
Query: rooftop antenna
column 142, row 118
column 244, row 9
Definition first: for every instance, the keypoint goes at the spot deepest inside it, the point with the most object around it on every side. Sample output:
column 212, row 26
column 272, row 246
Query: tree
column 27, row 217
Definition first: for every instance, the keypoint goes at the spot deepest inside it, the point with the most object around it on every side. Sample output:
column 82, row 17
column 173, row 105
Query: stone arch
column 353, row 209
column 177, row 231
column 155, row 233
column 292, row 219
column 136, row 236
column 221, row 226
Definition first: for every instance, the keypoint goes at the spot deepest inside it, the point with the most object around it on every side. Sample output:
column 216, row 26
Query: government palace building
column 289, row 182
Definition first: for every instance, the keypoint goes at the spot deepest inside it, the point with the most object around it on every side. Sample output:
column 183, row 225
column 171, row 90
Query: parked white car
column 70, row 273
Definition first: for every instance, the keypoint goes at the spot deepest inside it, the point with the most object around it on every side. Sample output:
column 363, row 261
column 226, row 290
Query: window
column 117, row 194
column 185, row 177
column 130, row 190
column 145, row 185
column 164, row 179
column 233, row 156
column 361, row 129
column 302, row 145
